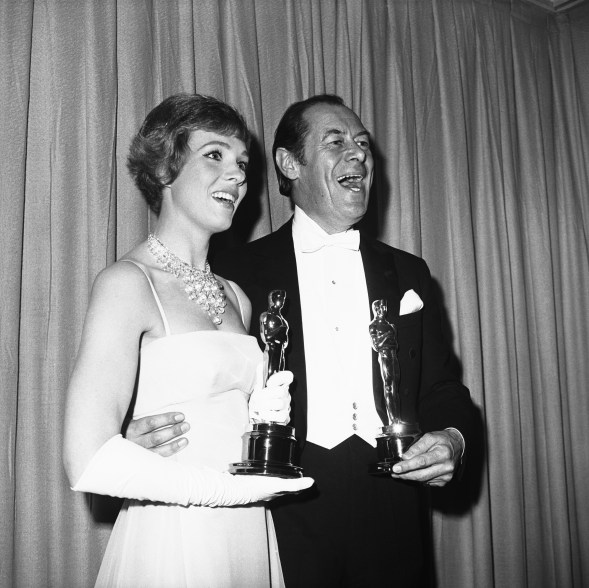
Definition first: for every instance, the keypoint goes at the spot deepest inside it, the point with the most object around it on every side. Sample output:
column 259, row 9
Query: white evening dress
column 208, row 376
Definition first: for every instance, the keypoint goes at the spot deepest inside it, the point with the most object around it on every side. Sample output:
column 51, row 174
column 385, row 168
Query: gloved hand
column 272, row 403
column 122, row 468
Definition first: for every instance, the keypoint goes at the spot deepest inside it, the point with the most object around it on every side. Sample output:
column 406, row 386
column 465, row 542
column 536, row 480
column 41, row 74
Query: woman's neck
column 190, row 246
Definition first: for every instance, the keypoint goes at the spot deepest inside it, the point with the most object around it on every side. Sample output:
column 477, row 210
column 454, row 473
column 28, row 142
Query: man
column 351, row 528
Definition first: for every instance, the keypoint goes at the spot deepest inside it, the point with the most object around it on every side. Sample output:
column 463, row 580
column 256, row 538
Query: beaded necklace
column 200, row 285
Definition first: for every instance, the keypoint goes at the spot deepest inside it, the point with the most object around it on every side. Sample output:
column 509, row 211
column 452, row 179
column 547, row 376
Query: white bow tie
column 347, row 240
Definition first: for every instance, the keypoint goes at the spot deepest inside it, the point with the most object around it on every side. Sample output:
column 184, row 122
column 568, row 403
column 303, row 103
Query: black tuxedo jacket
column 430, row 391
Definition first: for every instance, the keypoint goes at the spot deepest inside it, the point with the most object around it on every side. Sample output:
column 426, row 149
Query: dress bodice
column 199, row 365
column 208, row 376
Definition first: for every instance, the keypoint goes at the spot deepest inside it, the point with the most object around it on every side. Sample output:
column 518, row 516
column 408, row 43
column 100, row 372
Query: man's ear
column 287, row 163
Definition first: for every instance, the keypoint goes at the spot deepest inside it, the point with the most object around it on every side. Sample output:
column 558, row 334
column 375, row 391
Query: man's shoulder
column 261, row 243
column 401, row 258
column 235, row 260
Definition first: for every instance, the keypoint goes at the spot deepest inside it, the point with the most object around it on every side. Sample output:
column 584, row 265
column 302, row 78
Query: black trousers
column 352, row 529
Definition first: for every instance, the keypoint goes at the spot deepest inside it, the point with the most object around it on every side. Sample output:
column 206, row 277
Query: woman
column 162, row 309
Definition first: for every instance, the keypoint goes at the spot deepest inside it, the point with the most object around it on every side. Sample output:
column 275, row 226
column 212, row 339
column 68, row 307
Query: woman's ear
column 287, row 163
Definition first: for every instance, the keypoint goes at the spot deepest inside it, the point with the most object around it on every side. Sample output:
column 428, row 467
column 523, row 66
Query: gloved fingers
column 275, row 396
column 276, row 411
column 272, row 403
column 270, row 399
column 280, row 378
column 271, row 416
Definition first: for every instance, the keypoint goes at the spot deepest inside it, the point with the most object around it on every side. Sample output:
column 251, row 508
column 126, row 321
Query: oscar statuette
column 396, row 437
column 269, row 447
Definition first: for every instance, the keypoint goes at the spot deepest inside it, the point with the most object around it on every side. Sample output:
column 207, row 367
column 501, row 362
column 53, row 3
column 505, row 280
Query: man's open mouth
column 351, row 181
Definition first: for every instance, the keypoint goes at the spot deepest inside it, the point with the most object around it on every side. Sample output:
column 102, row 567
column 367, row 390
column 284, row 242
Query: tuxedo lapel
column 276, row 261
column 382, row 284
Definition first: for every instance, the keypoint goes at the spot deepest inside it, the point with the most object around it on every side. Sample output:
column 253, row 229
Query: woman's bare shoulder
column 121, row 278
column 124, row 287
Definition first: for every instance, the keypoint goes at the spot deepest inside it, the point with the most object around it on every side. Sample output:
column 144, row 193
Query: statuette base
column 392, row 444
column 268, row 450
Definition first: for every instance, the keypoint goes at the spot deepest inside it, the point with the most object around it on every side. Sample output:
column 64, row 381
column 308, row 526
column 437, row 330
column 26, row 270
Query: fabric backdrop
column 479, row 110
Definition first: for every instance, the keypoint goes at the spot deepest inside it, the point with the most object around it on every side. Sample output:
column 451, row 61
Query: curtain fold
column 479, row 111
column 15, row 48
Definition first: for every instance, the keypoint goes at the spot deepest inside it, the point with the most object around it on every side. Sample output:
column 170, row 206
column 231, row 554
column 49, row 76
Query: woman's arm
column 96, row 458
column 104, row 374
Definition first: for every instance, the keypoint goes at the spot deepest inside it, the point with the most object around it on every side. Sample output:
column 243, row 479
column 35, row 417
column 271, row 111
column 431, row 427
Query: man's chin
column 355, row 204
column 351, row 216
column 355, row 195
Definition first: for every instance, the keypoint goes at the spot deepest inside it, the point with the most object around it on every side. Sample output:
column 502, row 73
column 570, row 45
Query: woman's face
column 212, row 183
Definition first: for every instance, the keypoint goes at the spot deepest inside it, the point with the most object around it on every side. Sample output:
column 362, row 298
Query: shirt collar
column 309, row 237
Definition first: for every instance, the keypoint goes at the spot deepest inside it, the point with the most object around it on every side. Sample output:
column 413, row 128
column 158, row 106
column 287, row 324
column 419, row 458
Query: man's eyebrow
column 336, row 131
column 333, row 131
column 364, row 133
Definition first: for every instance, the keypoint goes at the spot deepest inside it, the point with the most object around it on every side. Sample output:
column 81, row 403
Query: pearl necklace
column 200, row 285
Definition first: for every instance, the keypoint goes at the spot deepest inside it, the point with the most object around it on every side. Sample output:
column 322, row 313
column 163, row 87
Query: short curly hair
column 160, row 148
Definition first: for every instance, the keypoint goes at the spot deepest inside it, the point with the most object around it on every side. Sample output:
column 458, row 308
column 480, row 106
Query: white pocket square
column 411, row 302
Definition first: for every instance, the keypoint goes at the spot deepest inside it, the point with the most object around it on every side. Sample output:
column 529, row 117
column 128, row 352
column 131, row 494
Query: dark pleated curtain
column 479, row 110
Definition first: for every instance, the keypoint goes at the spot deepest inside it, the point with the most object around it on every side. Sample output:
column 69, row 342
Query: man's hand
column 159, row 433
column 433, row 459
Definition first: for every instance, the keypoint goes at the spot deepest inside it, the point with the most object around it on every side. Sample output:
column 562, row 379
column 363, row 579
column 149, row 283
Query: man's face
column 334, row 185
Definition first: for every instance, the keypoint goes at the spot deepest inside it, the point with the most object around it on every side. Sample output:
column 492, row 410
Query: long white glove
column 122, row 468
column 272, row 403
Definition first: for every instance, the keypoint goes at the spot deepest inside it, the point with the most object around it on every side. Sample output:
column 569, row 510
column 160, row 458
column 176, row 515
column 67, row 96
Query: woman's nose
column 237, row 174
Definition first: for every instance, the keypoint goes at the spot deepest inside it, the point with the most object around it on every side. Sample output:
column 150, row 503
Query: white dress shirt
column 338, row 348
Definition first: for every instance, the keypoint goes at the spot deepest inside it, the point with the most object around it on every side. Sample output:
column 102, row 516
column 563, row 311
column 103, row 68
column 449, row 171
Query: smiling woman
column 189, row 160
column 210, row 186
